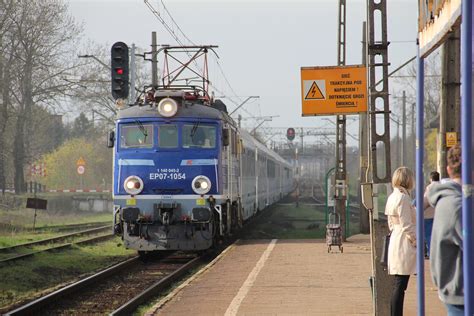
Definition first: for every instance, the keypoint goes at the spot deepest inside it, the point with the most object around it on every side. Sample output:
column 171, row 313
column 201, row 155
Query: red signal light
column 290, row 133
column 119, row 71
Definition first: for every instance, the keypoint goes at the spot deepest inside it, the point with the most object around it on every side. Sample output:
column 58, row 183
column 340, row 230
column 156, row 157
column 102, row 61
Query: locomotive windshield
column 199, row 136
column 136, row 136
column 168, row 136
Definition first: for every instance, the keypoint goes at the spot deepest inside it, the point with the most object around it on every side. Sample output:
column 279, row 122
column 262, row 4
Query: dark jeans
column 428, row 229
column 455, row 310
column 400, row 285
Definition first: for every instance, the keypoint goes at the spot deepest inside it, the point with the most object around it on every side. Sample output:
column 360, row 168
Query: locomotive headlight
column 201, row 185
column 133, row 185
column 167, row 107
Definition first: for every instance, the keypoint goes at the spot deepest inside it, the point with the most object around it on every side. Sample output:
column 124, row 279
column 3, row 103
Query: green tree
column 431, row 150
column 62, row 169
column 81, row 126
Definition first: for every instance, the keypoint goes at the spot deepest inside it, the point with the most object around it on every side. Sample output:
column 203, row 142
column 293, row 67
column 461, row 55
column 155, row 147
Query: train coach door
column 267, row 177
column 257, row 170
column 239, row 150
column 234, row 166
column 231, row 169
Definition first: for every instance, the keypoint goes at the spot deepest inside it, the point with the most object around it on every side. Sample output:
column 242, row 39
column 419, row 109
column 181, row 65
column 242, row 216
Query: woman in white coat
column 401, row 222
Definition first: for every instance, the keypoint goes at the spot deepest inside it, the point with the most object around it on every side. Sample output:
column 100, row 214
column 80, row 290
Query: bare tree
column 93, row 92
column 45, row 37
column 7, row 46
column 405, row 80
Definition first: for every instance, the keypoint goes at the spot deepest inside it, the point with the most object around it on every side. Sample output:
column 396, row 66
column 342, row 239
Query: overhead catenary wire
column 176, row 37
column 176, row 24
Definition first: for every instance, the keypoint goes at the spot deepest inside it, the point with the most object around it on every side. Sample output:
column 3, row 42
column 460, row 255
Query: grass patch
column 291, row 222
column 23, row 218
column 16, row 225
column 26, row 278
column 20, row 237
column 288, row 222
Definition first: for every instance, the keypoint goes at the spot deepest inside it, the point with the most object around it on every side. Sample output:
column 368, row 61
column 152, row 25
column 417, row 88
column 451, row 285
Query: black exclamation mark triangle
column 314, row 93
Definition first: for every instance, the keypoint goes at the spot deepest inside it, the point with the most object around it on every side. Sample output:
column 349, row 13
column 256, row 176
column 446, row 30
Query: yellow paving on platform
column 291, row 277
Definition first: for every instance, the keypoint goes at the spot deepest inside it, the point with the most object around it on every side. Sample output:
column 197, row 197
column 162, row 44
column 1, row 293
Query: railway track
column 17, row 253
column 69, row 227
column 118, row 290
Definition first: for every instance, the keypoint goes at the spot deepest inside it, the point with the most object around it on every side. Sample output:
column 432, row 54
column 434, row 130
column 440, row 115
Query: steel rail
column 68, row 245
column 37, row 304
column 129, row 307
column 72, row 226
column 54, row 239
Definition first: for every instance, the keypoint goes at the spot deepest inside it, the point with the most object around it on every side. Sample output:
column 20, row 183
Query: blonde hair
column 403, row 178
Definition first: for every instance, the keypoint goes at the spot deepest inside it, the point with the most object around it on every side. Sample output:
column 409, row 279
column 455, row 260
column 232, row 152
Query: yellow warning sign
column 451, row 139
column 317, row 91
column 80, row 162
column 333, row 90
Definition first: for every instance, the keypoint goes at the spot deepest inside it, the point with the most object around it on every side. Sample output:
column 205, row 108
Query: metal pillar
column 411, row 162
column 379, row 101
column 133, row 74
column 404, row 129
column 154, row 60
column 449, row 116
column 419, row 188
column 340, row 184
column 397, row 160
column 364, row 222
column 467, row 156
column 302, row 139
column 379, row 154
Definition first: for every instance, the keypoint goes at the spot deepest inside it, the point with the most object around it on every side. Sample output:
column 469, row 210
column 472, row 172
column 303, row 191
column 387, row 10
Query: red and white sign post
column 81, row 169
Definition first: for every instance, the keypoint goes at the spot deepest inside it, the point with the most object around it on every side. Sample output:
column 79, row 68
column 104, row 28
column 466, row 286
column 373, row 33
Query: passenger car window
column 168, row 136
column 199, row 136
column 136, row 136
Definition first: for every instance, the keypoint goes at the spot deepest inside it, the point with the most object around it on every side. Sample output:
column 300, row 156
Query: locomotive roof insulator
column 120, row 103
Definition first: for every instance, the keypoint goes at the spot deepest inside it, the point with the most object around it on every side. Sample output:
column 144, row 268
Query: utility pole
column 302, row 136
column 133, row 75
column 413, row 137
column 341, row 181
column 398, row 145
column 154, row 60
column 364, row 225
column 379, row 108
column 449, row 114
column 404, row 129
column 379, row 98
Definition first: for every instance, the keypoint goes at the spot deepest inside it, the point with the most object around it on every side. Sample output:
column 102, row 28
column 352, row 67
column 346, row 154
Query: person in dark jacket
column 446, row 256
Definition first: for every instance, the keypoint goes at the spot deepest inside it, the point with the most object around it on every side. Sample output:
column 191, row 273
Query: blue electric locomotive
column 185, row 174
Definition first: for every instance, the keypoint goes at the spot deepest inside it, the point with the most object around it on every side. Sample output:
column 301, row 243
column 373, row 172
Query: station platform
column 287, row 277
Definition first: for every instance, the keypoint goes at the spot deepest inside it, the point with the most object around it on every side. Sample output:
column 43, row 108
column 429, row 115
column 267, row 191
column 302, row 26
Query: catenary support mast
column 341, row 181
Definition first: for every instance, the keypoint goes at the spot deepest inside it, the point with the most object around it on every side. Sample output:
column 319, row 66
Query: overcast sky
column 262, row 43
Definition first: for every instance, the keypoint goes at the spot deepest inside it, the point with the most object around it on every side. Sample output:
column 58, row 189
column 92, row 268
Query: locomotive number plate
column 201, row 202
column 168, row 176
